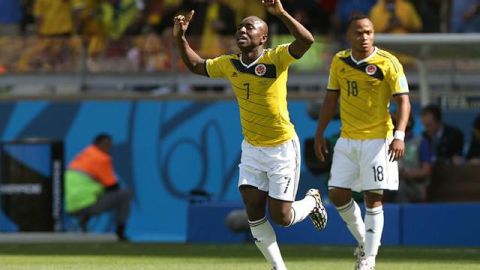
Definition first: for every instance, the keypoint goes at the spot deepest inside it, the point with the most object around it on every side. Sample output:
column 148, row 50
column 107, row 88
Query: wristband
column 399, row 135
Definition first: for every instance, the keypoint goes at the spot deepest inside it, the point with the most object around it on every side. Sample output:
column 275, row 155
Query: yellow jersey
column 261, row 92
column 366, row 87
column 56, row 17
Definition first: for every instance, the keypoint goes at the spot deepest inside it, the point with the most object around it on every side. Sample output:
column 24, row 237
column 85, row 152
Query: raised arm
column 192, row 60
column 326, row 114
column 303, row 37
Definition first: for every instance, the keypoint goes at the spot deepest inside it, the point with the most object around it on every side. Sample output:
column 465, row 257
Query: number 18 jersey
column 366, row 87
column 261, row 92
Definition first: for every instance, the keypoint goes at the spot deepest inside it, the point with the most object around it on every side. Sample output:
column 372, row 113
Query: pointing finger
column 190, row 15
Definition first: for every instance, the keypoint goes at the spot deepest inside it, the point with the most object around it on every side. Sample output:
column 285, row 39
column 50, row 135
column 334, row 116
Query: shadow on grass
column 233, row 251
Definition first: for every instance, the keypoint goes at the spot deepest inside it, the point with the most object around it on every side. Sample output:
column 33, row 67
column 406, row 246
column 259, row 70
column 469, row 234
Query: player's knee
column 339, row 197
column 281, row 217
column 255, row 210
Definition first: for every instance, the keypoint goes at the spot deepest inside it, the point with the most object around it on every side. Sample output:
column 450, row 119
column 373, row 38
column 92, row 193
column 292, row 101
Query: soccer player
column 270, row 162
column 364, row 78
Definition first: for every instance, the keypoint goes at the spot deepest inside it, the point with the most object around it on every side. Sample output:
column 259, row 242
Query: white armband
column 399, row 135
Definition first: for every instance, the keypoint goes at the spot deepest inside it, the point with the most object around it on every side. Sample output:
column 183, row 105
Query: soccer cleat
column 359, row 253
column 365, row 263
column 319, row 214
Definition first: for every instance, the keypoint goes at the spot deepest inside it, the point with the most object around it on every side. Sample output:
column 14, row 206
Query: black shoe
column 121, row 233
column 83, row 222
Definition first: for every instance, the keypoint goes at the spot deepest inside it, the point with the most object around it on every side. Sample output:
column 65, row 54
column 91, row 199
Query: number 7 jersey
column 261, row 92
column 366, row 87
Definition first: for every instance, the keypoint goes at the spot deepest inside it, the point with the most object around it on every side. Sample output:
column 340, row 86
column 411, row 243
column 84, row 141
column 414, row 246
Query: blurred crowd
column 56, row 32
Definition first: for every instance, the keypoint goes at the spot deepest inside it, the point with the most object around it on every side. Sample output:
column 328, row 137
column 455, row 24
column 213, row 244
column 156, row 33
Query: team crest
column 371, row 69
column 260, row 70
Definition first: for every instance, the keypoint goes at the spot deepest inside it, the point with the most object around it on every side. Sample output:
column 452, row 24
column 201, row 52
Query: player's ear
column 264, row 39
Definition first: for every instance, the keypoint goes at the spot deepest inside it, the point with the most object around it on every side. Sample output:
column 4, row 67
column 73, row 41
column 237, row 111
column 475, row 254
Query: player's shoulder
column 276, row 49
column 342, row 54
column 224, row 58
column 387, row 56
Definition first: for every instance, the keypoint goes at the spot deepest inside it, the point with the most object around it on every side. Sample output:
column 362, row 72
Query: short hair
column 434, row 110
column 101, row 138
column 356, row 17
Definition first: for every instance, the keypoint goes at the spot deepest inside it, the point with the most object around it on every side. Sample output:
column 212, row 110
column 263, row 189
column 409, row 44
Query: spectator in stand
column 307, row 12
column 246, row 8
column 54, row 50
column 395, row 16
column 214, row 20
column 415, row 168
column 446, row 141
column 27, row 15
column 465, row 16
column 346, row 8
column 473, row 154
column 159, row 12
column 434, row 14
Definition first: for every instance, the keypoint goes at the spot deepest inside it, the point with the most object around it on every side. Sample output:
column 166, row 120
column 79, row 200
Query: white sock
column 374, row 228
column 301, row 209
column 266, row 241
column 352, row 216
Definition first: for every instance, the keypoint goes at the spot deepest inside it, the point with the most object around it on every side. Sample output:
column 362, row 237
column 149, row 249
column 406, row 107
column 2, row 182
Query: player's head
column 104, row 142
column 360, row 33
column 251, row 33
column 432, row 119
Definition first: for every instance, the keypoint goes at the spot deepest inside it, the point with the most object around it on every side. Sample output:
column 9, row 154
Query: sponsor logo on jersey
column 260, row 70
column 371, row 69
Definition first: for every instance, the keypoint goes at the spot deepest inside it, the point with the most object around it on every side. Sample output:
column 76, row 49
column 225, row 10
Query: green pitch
column 120, row 256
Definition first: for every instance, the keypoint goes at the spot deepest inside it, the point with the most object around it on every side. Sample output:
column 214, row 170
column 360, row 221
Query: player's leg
column 284, row 176
column 253, row 185
column 374, row 221
column 377, row 174
column 344, row 177
column 262, row 231
column 349, row 211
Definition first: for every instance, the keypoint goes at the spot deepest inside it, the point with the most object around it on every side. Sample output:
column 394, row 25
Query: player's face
column 361, row 36
column 251, row 33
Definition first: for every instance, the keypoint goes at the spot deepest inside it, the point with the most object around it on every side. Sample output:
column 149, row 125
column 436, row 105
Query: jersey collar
column 364, row 59
column 253, row 63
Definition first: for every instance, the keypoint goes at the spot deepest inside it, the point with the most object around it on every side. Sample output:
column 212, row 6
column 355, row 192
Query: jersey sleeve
column 215, row 67
column 282, row 56
column 332, row 77
column 397, row 80
column 106, row 173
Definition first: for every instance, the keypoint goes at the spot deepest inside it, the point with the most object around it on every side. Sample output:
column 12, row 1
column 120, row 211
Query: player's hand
column 396, row 150
column 321, row 148
column 180, row 24
column 274, row 7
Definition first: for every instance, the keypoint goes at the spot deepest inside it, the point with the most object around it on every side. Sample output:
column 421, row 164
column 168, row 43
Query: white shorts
column 275, row 170
column 363, row 165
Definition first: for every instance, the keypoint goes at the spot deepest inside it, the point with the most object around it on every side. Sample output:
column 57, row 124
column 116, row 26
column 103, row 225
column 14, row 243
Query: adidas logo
column 370, row 231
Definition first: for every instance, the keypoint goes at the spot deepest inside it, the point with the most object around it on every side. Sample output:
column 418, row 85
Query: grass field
column 220, row 257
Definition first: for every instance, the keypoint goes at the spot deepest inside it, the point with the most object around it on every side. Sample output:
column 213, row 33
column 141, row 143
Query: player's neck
column 360, row 55
column 252, row 55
